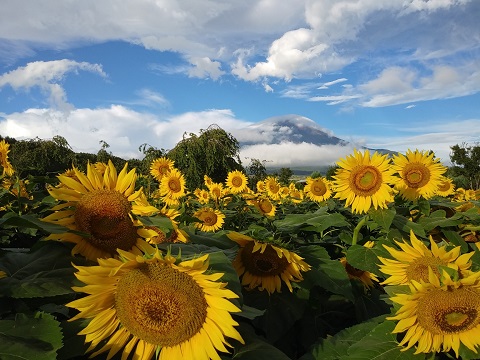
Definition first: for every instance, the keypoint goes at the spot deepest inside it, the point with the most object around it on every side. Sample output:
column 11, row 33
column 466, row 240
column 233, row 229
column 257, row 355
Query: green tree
column 214, row 153
column 284, row 175
column 466, row 162
column 256, row 171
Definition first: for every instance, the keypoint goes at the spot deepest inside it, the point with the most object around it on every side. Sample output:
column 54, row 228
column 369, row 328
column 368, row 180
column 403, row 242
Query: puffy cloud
column 46, row 75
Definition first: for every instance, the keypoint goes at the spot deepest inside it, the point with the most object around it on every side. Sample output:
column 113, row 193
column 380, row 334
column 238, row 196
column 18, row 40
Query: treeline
column 213, row 152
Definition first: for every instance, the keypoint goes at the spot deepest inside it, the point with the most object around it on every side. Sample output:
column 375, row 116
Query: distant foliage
column 214, row 153
column 256, row 171
column 466, row 164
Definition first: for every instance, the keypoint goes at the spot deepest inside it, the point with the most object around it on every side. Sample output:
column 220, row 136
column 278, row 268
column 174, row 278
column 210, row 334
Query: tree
column 466, row 162
column 256, row 171
column 214, row 153
column 284, row 175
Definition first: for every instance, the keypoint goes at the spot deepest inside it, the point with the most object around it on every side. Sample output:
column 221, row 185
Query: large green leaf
column 366, row 259
column 405, row 225
column 45, row 272
column 438, row 219
column 335, row 347
column 326, row 273
column 27, row 338
column 380, row 344
column 29, row 221
column 255, row 347
column 383, row 217
column 319, row 221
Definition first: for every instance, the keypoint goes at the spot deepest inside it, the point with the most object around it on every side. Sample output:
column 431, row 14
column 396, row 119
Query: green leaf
column 366, row 259
column 335, row 347
column 162, row 222
column 326, row 273
column 383, row 217
column 29, row 221
column 255, row 347
column 438, row 219
column 455, row 238
column 27, row 338
column 402, row 223
column 45, row 272
column 320, row 221
column 380, row 344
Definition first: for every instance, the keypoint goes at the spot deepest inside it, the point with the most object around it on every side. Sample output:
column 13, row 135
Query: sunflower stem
column 356, row 231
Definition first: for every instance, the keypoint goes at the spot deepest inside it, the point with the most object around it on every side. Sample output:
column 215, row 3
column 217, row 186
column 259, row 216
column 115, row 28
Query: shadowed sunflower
column 101, row 167
column 363, row 181
column 413, row 262
column 4, row 162
column 172, row 187
column 440, row 314
column 160, row 167
column 264, row 206
column 317, row 189
column 102, row 208
column 3, row 274
column 216, row 191
column 420, row 174
column 365, row 277
column 296, row 195
column 261, row 186
column 236, row 181
column 211, row 219
column 264, row 265
column 153, row 303
column 446, row 187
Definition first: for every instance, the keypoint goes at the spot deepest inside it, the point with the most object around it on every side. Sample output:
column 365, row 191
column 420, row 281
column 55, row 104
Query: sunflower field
column 382, row 261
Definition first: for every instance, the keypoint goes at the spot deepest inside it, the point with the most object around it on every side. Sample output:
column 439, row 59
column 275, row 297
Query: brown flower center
column 418, row 269
column 237, row 181
column 263, row 264
column 104, row 214
column 449, row 311
column 416, row 175
column 318, row 188
column 160, row 305
column 365, row 180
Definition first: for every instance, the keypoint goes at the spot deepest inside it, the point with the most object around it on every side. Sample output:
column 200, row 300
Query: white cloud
column 46, row 75
column 295, row 155
column 122, row 128
column 205, row 68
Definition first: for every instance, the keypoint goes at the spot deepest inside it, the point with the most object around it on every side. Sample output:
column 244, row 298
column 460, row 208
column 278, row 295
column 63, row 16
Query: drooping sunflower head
column 172, row 185
column 154, row 303
column 4, row 162
column 420, row 174
column 237, row 181
column 160, row 167
column 265, row 206
column 441, row 314
column 317, row 189
column 364, row 181
column 265, row 266
column 211, row 219
column 446, row 187
column 414, row 261
column 296, row 195
column 207, row 181
column 101, row 207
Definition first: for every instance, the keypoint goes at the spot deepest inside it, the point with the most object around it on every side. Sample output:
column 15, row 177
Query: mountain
column 287, row 128
column 293, row 141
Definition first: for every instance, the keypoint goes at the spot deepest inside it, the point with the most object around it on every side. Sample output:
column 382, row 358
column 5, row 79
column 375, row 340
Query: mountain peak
column 290, row 128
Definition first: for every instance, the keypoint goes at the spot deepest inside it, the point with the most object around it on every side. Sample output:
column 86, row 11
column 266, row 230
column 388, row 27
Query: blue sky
column 395, row 74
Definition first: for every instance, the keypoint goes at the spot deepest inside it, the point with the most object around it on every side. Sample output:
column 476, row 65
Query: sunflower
column 296, row 195
column 216, row 190
column 211, row 219
column 365, row 277
column 363, row 181
column 440, row 314
column 101, row 207
column 261, row 186
column 207, row 181
column 149, row 304
column 264, row 206
column 446, row 187
column 203, row 196
column 264, row 265
column 3, row 274
column 420, row 174
column 4, row 162
column 160, row 167
column 237, row 181
column 317, row 189
column 100, row 167
column 172, row 187
column 413, row 261
column 273, row 187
